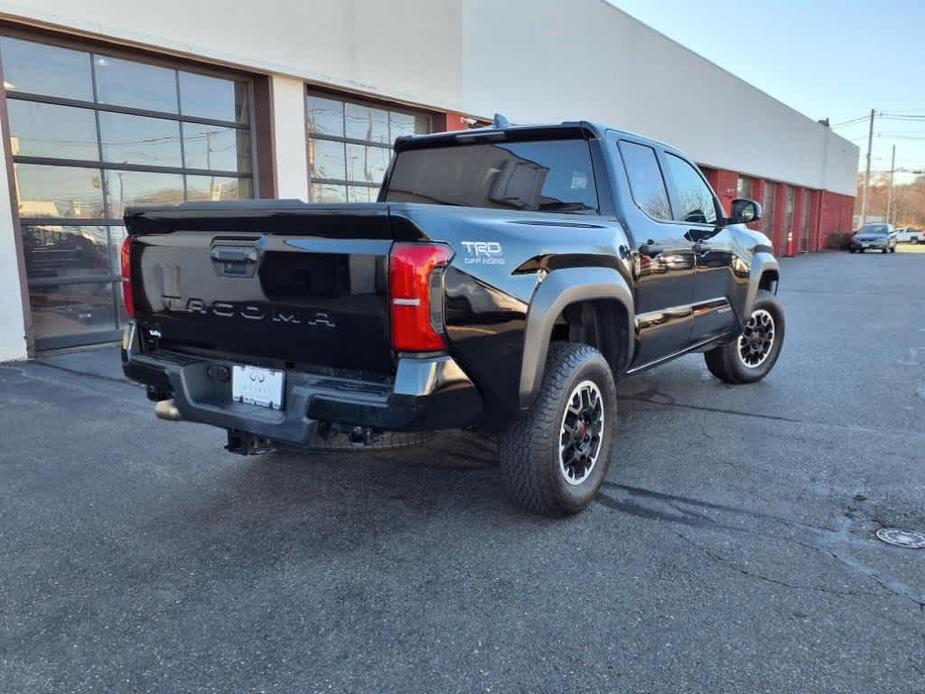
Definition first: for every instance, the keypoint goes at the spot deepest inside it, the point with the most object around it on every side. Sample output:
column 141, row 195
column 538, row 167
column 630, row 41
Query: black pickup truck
column 504, row 281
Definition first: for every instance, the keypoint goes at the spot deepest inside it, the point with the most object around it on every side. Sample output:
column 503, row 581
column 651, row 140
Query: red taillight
column 416, row 295
column 127, row 293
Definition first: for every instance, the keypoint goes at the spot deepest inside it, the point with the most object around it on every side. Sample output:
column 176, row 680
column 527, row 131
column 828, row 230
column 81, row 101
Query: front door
column 663, row 257
column 695, row 205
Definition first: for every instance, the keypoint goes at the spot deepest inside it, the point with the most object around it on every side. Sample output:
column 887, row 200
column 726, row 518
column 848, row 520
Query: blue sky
column 823, row 58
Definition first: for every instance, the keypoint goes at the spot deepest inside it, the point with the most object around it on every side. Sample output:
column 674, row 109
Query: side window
column 694, row 198
column 645, row 177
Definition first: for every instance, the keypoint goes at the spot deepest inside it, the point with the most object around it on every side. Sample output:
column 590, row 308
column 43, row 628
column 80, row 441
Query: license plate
column 255, row 386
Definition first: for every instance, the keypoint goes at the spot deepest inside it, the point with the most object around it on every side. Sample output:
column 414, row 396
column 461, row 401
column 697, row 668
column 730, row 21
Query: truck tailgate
column 307, row 288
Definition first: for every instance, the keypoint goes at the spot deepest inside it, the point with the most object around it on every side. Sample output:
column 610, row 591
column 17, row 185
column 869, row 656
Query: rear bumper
column 427, row 393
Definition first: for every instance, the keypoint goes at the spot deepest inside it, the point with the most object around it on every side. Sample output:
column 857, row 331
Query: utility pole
column 889, row 197
column 864, row 195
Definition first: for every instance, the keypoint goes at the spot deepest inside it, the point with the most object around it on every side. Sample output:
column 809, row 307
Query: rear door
column 698, row 212
column 663, row 257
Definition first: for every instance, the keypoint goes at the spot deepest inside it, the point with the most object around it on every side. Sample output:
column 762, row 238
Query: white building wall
column 544, row 60
column 534, row 60
column 291, row 161
column 12, row 320
column 401, row 49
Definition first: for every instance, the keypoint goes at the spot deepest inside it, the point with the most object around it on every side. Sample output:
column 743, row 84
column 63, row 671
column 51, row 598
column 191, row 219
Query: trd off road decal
column 483, row 253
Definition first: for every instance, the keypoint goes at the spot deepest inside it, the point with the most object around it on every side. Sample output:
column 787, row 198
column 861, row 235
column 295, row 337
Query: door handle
column 651, row 249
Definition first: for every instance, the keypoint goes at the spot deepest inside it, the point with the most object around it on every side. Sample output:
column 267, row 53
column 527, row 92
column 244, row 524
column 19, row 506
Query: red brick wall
column 448, row 122
column 835, row 216
column 829, row 212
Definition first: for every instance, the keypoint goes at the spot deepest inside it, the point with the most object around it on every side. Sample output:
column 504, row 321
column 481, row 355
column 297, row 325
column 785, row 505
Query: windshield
column 879, row 229
column 545, row 176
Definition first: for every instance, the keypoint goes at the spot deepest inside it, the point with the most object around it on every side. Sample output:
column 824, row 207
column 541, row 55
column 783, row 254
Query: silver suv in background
column 874, row 236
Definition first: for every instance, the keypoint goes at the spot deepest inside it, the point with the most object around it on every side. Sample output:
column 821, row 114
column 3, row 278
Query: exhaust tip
column 167, row 409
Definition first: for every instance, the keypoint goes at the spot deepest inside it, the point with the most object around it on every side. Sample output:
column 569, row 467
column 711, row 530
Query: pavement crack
column 718, row 410
column 768, row 579
column 820, row 539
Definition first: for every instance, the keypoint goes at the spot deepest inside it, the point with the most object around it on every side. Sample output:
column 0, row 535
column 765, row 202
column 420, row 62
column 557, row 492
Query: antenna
column 501, row 121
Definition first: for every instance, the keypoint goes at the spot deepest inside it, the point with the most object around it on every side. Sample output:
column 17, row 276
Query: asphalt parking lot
column 731, row 551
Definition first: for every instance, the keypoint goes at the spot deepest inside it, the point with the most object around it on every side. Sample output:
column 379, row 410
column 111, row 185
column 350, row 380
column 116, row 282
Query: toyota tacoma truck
column 505, row 280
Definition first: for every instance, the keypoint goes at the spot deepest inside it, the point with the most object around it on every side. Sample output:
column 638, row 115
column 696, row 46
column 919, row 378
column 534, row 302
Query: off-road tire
column 529, row 450
column 725, row 361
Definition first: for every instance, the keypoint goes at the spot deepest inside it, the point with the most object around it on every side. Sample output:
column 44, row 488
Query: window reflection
column 63, row 136
column 125, row 188
column 65, row 251
column 695, row 200
column 47, row 130
column 140, row 140
column 213, row 97
column 646, row 182
column 58, row 191
column 324, row 116
column 326, row 159
column 72, row 309
column 407, row 124
column 216, row 148
column 326, row 192
column 349, row 144
column 137, row 85
column 365, row 163
column 361, row 194
column 38, row 68
column 552, row 175
column 365, row 123
column 217, row 188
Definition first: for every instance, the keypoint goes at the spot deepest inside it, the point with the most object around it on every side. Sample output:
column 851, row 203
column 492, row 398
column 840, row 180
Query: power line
column 851, row 121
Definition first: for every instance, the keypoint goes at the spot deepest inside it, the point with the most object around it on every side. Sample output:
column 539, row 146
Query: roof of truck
column 565, row 130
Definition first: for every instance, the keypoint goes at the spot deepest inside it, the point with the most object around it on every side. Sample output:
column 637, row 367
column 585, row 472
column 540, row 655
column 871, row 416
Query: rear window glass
column 645, row 177
column 544, row 176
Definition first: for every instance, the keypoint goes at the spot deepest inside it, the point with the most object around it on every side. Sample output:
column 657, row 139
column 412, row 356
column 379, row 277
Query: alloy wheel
column 581, row 433
column 757, row 339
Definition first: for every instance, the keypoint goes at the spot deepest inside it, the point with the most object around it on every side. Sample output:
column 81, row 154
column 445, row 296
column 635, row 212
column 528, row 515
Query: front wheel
column 752, row 355
column 554, row 458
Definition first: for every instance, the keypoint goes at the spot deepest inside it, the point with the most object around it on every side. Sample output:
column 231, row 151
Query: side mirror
column 745, row 211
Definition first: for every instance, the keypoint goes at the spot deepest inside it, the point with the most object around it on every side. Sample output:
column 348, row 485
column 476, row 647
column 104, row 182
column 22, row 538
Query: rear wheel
column 752, row 355
column 554, row 458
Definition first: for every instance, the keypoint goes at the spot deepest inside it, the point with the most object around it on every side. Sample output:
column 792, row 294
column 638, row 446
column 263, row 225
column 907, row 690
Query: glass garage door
column 90, row 134
column 350, row 144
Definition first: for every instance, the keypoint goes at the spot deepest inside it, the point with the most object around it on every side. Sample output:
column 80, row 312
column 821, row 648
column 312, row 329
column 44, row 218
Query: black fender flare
column 761, row 263
column 559, row 289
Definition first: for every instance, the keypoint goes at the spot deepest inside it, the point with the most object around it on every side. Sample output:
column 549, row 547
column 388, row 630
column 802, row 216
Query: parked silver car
column 874, row 236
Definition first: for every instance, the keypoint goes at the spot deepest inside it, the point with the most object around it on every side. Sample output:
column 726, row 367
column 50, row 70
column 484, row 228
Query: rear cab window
column 647, row 185
column 537, row 176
